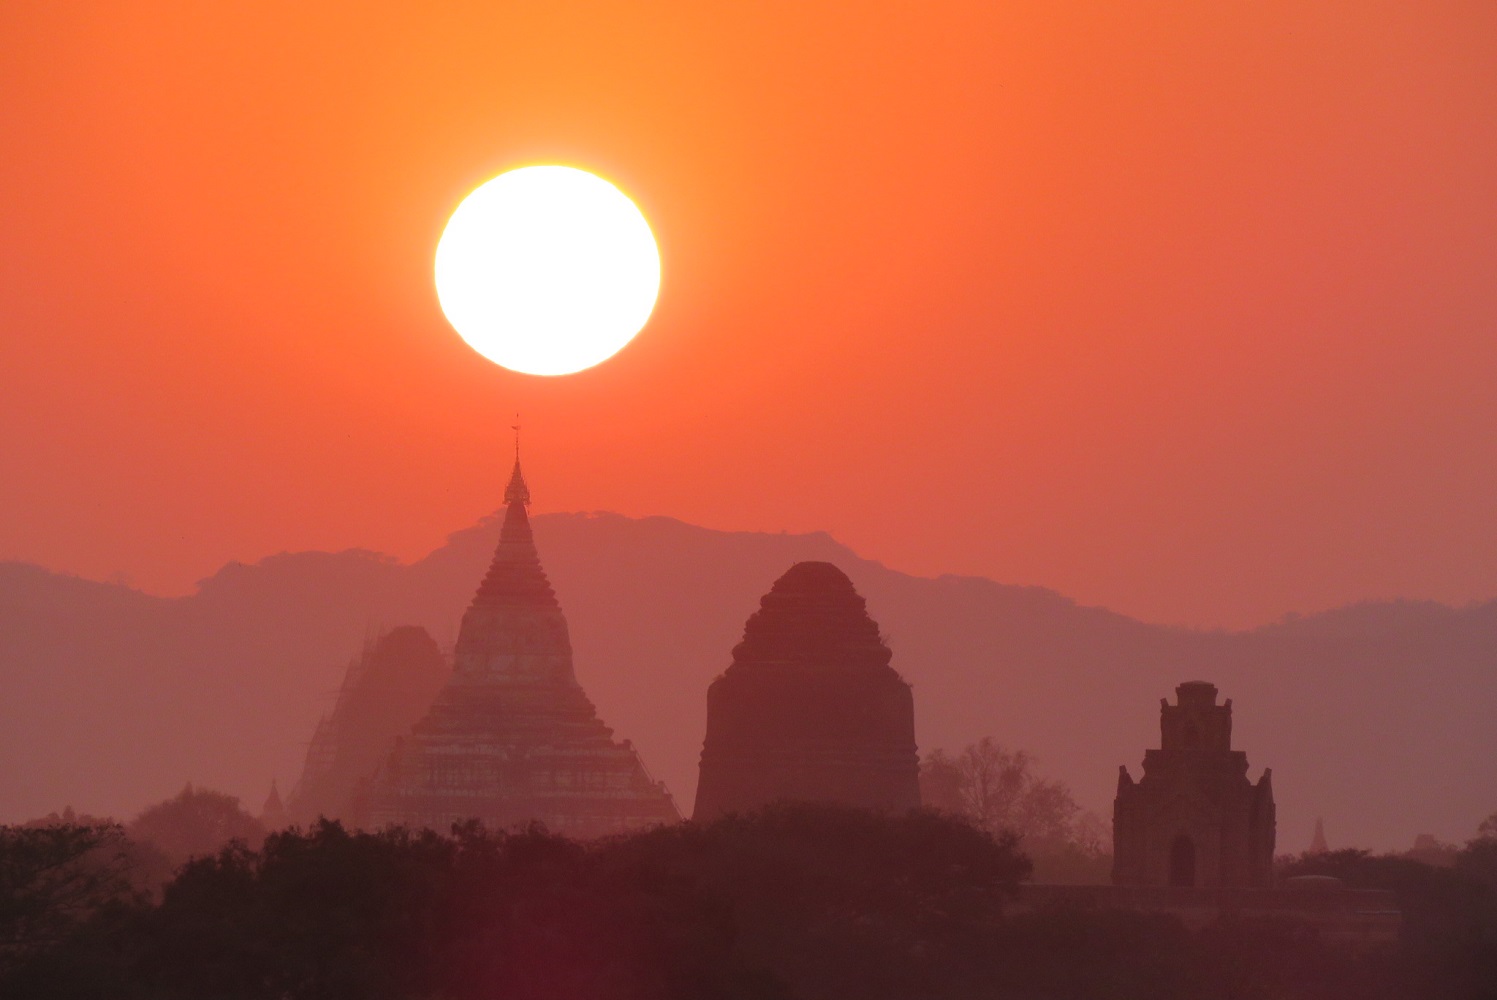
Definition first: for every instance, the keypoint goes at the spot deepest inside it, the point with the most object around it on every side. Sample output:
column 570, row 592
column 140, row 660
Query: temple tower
column 810, row 708
column 1194, row 819
column 385, row 691
column 512, row 737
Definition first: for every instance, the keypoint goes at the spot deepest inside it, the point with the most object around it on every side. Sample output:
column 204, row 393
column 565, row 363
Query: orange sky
column 1186, row 309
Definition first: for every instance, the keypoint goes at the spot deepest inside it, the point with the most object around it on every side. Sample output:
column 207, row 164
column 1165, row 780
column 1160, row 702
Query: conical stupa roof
column 813, row 617
column 515, row 575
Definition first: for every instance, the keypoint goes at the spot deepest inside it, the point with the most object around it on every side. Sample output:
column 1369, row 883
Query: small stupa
column 273, row 813
column 810, row 708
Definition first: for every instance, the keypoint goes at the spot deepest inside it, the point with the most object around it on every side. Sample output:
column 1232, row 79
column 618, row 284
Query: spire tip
column 517, row 492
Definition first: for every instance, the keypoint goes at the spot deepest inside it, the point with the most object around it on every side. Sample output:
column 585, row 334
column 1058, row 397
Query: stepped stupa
column 512, row 737
column 810, row 708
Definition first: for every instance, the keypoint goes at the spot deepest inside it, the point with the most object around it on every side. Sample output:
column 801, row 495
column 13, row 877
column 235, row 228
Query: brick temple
column 1194, row 819
column 810, row 708
column 512, row 737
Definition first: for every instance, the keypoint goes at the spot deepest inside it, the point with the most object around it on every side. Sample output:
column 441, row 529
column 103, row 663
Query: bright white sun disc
column 547, row 270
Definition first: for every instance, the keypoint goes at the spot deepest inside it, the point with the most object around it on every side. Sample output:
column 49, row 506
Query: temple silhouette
column 810, row 708
column 384, row 692
column 512, row 737
column 1194, row 818
column 1193, row 838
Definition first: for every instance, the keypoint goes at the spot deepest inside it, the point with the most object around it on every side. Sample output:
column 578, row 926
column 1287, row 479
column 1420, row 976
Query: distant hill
column 1379, row 717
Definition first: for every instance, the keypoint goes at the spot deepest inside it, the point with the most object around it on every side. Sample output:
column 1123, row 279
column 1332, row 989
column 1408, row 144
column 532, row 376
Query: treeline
column 1448, row 944
column 796, row 901
column 1001, row 790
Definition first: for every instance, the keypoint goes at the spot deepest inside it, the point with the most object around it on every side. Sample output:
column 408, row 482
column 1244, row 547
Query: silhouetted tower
column 810, row 708
column 273, row 814
column 1317, row 842
column 1194, row 819
column 385, row 690
column 512, row 737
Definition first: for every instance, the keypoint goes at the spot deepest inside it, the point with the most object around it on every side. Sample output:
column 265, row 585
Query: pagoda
column 512, row 738
column 810, row 708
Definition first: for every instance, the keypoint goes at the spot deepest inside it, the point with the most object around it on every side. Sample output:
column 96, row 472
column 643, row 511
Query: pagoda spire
column 273, row 815
column 512, row 737
column 515, row 574
column 517, row 492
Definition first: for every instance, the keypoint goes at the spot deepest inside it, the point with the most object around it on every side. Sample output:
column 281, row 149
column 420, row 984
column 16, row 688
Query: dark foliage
column 1000, row 790
column 1449, row 937
column 794, row 901
column 1478, row 861
column 196, row 823
column 835, row 901
column 53, row 880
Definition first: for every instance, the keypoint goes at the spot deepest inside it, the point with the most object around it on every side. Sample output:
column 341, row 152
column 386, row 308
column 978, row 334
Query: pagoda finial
column 517, row 492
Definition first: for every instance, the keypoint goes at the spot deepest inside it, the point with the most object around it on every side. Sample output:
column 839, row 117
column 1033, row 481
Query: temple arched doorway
column 1183, row 861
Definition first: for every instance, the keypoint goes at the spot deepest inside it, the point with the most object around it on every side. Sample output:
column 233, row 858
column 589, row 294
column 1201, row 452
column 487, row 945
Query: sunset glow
column 547, row 270
column 1102, row 347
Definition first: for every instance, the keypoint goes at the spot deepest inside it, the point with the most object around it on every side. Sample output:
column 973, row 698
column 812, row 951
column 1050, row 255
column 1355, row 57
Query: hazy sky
column 1183, row 308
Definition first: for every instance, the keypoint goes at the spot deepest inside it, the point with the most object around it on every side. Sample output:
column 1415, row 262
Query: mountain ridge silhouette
column 1375, row 716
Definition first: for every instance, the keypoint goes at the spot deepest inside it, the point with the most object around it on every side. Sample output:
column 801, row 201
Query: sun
column 547, row 270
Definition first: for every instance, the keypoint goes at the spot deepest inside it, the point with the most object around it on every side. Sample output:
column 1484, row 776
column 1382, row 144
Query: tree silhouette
column 999, row 789
column 55, row 877
column 196, row 823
